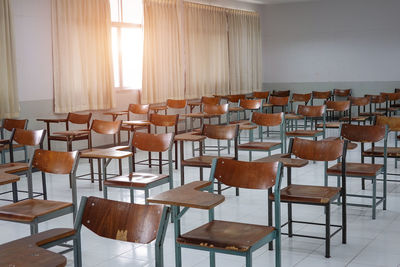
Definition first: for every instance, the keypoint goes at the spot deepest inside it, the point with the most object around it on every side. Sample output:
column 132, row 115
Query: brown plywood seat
column 30, row 209
column 135, row 179
column 378, row 151
column 356, row 169
column 7, row 147
column 226, row 235
column 358, row 119
column 48, row 236
column 259, row 145
column 308, row 194
column 293, row 117
column 201, row 161
column 303, row 133
column 331, row 125
column 234, row 109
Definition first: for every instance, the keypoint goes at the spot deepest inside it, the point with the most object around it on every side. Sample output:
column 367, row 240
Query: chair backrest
column 152, row 142
column 267, row 119
column 139, row 108
column 261, row 95
column 55, row 162
column 311, row 111
column 79, row 118
column 250, row 103
column 28, row 137
column 363, row 133
column 376, row 99
column 121, row 220
column 392, row 122
column 359, row 101
column 164, row 120
column 10, row 124
column 338, row 105
column 321, row 95
column 322, row 150
column 106, row 127
column 281, row 93
column 391, row 96
column 222, row 132
column 235, row 98
column 244, row 174
column 301, row 98
column 342, row 92
column 210, row 100
column 279, row 100
column 176, row 104
column 215, row 109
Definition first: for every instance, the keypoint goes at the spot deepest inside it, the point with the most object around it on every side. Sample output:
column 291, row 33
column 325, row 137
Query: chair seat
column 7, row 147
column 43, row 238
column 135, row 179
column 304, row 133
column 259, row 145
column 356, row 169
column 293, row 117
column 233, row 109
column 391, row 109
column 308, row 194
column 240, row 122
column 201, row 161
column 359, row 119
column 226, row 235
column 330, row 125
column 81, row 136
column 28, row 210
column 129, row 128
column 377, row 151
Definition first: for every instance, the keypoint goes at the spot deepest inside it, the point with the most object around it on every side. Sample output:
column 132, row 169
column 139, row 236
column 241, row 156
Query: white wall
column 331, row 41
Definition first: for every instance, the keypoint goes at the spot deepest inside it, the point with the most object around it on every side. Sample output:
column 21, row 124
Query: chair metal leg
column 374, row 198
column 14, row 192
column 105, row 195
column 77, row 251
column 34, row 227
column 132, row 195
column 248, row 259
column 146, row 195
column 270, row 245
column 44, row 186
column 91, row 170
column 290, row 220
column 212, row 259
column 328, row 231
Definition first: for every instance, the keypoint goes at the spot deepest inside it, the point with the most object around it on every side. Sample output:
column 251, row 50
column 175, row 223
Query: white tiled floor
column 370, row 242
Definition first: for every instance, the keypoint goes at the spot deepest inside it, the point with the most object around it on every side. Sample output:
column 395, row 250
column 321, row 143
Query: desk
column 48, row 121
column 25, row 252
column 187, row 196
column 71, row 135
column 8, row 176
column 104, row 156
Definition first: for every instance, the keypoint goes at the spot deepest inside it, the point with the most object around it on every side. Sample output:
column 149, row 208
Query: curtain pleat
column 9, row 105
column 82, row 57
column 206, row 50
column 163, row 75
column 244, row 51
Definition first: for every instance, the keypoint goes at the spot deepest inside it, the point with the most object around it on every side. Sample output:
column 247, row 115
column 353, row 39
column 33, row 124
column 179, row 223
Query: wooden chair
column 12, row 170
column 103, row 128
column 178, row 105
column 261, row 95
column 322, row 96
column 141, row 115
column 291, row 117
column 341, row 94
column 358, row 102
column 159, row 120
column 312, row 113
column 34, row 211
column 325, row 151
column 341, row 107
column 72, row 118
column 211, row 100
column 216, row 132
column 393, row 124
column 391, row 106
column 8, row 125
column 235, row 238
column 145, row 181
column 277, row 101
column 265, row 120
column 244, row 105
column 370, row 171
column 114, row 220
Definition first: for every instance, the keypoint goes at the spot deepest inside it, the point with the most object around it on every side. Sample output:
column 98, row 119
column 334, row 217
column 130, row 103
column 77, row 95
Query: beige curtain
column 206, row 50
column 9, row 106
column 244, row 51
column 163, row 75
column 82, row 59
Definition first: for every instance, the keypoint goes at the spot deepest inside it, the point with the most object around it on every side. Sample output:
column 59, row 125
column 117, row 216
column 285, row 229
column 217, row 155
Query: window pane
column 115, row 49
column 132, row 53
column 114, row 6
column 132, row 11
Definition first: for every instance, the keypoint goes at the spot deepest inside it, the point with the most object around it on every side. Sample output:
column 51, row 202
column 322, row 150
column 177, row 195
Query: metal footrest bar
column 314, row 223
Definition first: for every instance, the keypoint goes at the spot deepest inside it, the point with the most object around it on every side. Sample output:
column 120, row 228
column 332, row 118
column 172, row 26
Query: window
column 127, row 43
